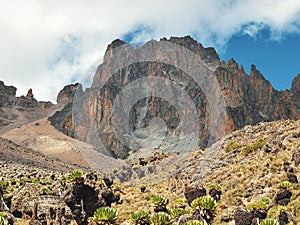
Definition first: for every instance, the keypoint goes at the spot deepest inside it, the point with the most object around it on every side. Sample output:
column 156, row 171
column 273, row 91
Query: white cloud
column 47, row 44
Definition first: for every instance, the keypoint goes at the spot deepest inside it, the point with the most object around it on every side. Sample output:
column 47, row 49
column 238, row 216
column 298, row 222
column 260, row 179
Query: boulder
column 191, row 193
column 282, row 197
column 243, row 217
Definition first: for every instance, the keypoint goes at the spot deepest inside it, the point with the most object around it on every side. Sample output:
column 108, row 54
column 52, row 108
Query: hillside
column 24, row 122
column 255, row 164
column 245, row 170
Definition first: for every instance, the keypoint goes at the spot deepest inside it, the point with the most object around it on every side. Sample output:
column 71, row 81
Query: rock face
column 17, row 110
column 65, row 96
column 295, row 93
column 249, row 99
column 7, row 94
column 62, row 120
column 8, row 97
column 252, row 99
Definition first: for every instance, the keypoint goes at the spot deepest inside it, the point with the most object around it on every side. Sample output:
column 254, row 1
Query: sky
column 45, row 45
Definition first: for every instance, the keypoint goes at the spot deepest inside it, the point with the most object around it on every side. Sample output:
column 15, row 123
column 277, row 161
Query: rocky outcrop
column 83, row 201
column 242, row 217
column 252, row 99
column 295, row 93
column 249, row 99
column 65, row 96
column 191, row 193
column 7, row 94
column 19, row 110
column 283, row 196
column 8, row 98
column 62, row 119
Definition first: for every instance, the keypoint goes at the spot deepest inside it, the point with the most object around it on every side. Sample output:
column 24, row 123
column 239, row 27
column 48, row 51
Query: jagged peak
column 208, row 55
column 7, row 90
column 296, row 83
column 29, row 94
column 232, row 63
column 115, row 43
column 185, row 39
column 66, row 95
column 254, row 72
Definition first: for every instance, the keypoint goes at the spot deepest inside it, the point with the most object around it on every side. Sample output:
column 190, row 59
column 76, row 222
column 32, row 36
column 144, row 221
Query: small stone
column 292, row 177
column 267, row 149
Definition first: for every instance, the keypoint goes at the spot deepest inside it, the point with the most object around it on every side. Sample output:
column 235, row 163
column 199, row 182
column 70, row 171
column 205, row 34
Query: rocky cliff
column 15, row 111
column 249, row 99
column 62, row 120
column 8, row 98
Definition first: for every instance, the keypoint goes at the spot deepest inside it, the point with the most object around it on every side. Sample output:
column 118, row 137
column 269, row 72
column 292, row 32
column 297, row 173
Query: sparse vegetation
column 253, row 147
column 141, row 217
column 75, row 175
column 242, row 178
column 285, row 184
column 269, row 222
column 105, row 216
column 206, row 205
column 3, row 220
column 161, row 218
column 46, row 191
column 3, row 184
column 232, row 146
column 160, row 203
column 196, row 222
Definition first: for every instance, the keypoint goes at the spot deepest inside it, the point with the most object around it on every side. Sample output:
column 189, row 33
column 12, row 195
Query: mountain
column 242, row 99
column 244, row 175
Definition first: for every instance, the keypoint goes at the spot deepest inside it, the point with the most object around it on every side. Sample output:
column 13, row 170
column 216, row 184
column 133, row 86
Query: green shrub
column 196, row 222
column 269, row 222
column 178, row 202
column 232, row 146
column 262, row 204
column 204, row 202
column 253, row 147
column 6, row 196
column 105, row 216
column 3, row 220
column 3, row 184
column 207, row 206
column 159, row 200
column 47, row 191
column 214, row 186
column 36, row 181
column 285, row 184
column 179, row 212
column 13, row 181
column 161, row 218
column 75, row 174
column 140, row 217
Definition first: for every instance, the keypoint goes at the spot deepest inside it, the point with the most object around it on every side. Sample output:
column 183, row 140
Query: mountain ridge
column 249, row 99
